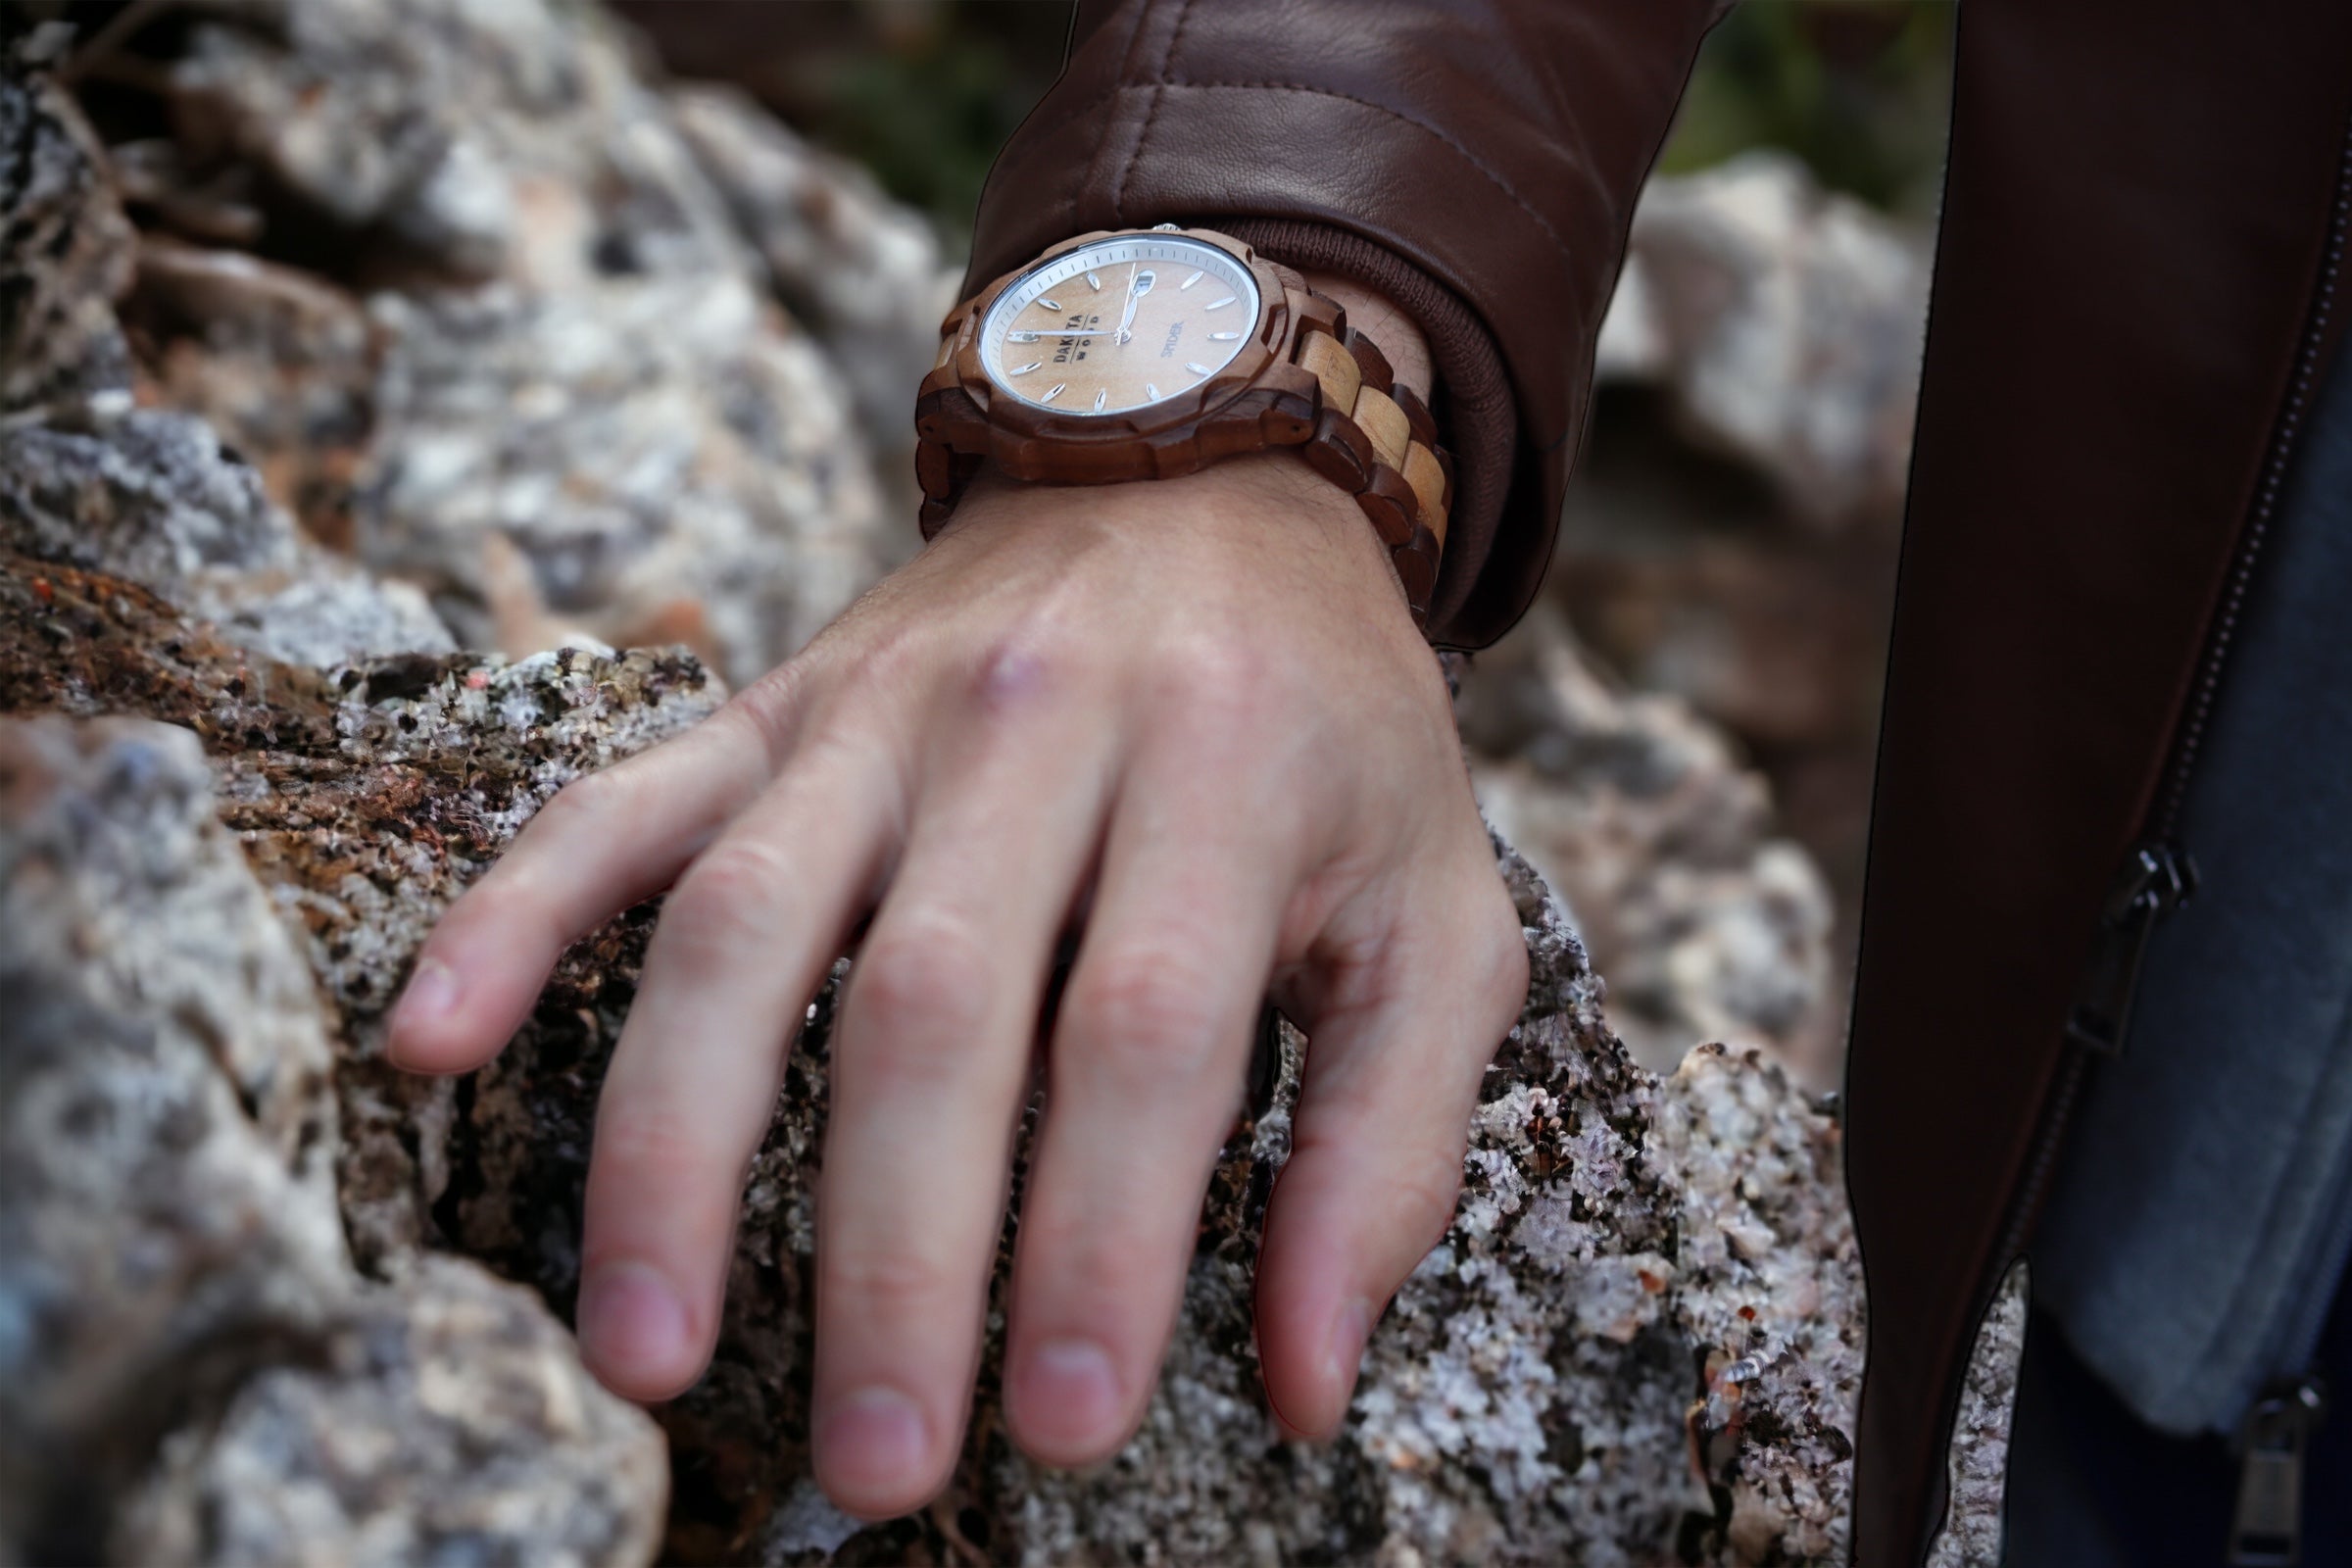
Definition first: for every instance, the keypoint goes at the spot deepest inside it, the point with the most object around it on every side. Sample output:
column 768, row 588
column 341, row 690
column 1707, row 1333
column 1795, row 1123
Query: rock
column 1978, row 1467
column 667, row 464
column 865, row 273
column 1786, row 324
column 1708, row 926
column 190, row 1369
column 1530, row 1394
column 68, row 253
column 281, row 363
column 552, row 390
column 446, row 1420
column 154, row 497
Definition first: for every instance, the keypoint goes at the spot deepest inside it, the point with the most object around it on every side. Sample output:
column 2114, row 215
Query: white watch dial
column 1119, row 324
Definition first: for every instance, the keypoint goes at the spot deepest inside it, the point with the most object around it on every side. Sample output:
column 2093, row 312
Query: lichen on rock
column 190, row 1368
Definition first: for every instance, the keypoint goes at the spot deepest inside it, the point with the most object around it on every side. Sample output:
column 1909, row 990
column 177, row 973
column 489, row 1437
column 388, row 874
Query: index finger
column 604, row 842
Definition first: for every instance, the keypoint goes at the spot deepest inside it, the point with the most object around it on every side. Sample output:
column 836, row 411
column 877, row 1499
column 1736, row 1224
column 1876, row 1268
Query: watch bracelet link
column 1378, row 441
column 1372, row 437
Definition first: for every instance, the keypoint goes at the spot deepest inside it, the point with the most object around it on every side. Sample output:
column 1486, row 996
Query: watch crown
column 1165, row 229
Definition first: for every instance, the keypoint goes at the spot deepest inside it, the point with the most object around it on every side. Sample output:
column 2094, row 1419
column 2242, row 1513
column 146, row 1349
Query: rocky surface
column 1785, row 323
column 1662, row 845
column 1730, row 537
column 247, row 801
column 1643, row 1328
column 190, row 1368
column 501, row 318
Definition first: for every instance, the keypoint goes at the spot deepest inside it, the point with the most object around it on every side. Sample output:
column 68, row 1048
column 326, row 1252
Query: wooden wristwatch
column 1145, row 353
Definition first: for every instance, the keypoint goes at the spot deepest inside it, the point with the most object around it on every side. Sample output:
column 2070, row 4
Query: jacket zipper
column 2157, row 875
column 2266, row 1528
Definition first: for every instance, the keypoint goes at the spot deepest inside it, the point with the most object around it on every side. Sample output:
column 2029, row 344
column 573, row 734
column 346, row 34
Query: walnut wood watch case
column 1262, row 397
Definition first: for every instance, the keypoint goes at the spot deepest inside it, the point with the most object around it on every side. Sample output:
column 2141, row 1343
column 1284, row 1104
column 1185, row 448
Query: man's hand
column 1188, row 719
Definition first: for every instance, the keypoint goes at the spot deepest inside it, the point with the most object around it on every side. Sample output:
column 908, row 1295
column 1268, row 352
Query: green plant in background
column 927, row 111
column 1859, row 89
column 924, row 92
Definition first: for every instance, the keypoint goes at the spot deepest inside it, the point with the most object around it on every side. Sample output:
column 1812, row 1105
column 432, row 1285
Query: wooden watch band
column 1376, row 440
column 1320, row 386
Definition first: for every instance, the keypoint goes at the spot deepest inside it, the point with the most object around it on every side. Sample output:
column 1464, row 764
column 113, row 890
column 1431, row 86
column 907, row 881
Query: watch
column 1149, row 353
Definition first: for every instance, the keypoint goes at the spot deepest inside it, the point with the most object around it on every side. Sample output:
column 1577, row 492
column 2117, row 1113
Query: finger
column 1375, row 1156
column 1151, row 1039
column 930, row 1067
column 743, row 943
column 604, row 842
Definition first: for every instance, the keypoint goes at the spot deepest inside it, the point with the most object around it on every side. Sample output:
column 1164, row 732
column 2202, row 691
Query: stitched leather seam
column 1167, row 57
column 1464, row 153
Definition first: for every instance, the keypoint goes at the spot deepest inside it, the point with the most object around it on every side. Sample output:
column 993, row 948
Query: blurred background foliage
column 924, row 92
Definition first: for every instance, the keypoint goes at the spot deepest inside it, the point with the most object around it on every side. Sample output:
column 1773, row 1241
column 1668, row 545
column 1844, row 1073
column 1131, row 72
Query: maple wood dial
column 1119, row 325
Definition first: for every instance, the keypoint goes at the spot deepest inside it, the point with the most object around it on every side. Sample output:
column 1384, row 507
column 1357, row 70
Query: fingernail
column 871, row 1442
column 632, row 1322
column 431, row 995
column 1344, row 1348
column 1069, row 1394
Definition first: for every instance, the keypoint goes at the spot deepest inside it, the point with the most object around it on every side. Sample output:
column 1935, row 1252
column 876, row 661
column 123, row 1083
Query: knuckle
column 919, row 990
column 722, row 902
column 768, row 709
column 656, row 1144
column 1099, row 1270
column 895, row 1283
column 1146, row 1016
column 1034, row 660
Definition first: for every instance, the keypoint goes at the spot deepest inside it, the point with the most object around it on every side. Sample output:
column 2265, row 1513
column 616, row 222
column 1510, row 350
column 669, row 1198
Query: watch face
column 1121, row 324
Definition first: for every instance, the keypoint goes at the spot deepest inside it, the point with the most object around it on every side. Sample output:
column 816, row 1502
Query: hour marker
column 1094, row 279
column 1196, row 367
column 1223, row 337
column 1189, row 281
column 1055, row 391
column 1101, row 396
column 1050, row 305
column 1150, row 393
column 1215, row 304
column 1024, row 369
column 1020, row 337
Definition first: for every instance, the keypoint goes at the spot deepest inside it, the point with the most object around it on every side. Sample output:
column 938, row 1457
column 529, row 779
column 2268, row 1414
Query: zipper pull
column 2266, row 1531
column 2155, row 880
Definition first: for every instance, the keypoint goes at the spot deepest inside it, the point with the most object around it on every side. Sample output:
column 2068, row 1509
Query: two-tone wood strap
column 1376, row 440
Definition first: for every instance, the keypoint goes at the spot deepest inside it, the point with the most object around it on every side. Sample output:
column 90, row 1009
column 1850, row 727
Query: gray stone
column 190, row 1368
column 68, row 253
column 1786, row 322
column 1709, row 925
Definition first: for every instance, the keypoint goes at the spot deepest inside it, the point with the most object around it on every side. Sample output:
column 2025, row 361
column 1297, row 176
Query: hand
column 1190, row 719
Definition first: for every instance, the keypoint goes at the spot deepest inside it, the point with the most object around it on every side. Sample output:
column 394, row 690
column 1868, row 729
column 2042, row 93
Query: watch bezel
column 1258, row 280
column 1247, row 404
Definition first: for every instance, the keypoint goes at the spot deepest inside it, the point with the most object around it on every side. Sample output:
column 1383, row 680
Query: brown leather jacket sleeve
column 1475, row 160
